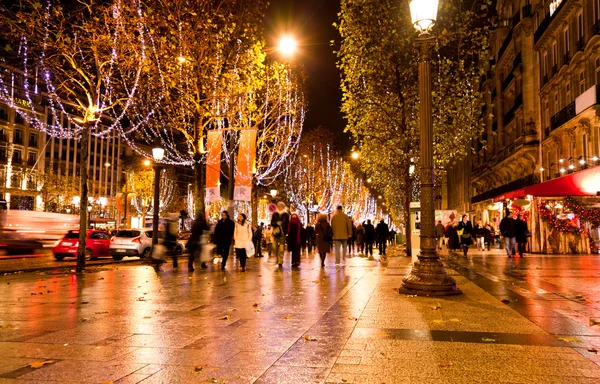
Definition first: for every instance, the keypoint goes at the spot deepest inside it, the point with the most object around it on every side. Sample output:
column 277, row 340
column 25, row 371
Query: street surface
column 530, row 320
column 45, row 261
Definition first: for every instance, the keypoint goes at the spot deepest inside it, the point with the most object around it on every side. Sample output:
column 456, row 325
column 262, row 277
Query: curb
column 69, row 268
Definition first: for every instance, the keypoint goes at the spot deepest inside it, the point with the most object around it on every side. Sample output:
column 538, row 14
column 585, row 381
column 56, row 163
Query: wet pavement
column 46, row 262
column 519, row 321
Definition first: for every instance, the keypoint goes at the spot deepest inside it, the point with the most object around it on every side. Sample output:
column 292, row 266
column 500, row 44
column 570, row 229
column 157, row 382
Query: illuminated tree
column 377, row 58
column 81, row 63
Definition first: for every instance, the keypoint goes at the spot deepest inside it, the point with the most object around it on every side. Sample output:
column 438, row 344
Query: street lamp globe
column 355, row 155
column 273, row 192
column 424, row 14
column 158, row 152
column 90, row 208
column 287, row 45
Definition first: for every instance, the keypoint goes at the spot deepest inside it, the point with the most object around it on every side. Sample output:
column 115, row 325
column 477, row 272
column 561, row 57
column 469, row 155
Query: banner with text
column 213, row 166
column 245, row 162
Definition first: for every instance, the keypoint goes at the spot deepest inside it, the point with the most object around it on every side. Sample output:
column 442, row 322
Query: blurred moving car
column 136, row 242
column 13, row 243
column 96, row 244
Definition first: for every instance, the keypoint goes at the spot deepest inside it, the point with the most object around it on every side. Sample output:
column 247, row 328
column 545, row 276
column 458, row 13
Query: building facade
column 541, row 91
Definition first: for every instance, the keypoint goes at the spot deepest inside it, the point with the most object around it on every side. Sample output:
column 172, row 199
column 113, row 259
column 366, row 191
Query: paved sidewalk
column 126, row 324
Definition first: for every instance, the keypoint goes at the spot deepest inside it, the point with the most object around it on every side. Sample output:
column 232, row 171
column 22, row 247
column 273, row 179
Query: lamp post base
column 429, row 278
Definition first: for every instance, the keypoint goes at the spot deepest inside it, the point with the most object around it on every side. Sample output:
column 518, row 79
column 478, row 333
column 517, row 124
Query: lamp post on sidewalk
column 428, row 276
column 158, row 152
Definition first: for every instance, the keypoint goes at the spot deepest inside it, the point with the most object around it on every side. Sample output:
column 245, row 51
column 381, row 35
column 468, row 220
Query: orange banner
column 245, row 162
column 213, row 166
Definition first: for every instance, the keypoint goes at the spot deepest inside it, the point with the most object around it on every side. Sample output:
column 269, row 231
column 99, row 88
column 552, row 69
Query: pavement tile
column 84, row 371
column 298, row 375
column 185, row 375
column 69, row 352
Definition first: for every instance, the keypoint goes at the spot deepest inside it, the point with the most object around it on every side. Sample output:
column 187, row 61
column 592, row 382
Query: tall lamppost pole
column 158, row 152
column 428, row 276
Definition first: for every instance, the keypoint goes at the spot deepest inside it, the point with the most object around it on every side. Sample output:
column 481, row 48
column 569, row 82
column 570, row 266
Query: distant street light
column 355, row 155
column 147, row 163
column 273, row 193
column 287, row 46
column 158, row 152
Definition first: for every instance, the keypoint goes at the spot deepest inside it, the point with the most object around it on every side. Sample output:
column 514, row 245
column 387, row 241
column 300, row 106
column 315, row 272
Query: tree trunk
column 199, row 195
column 407, row 199
column 83, row 202
column 254, row 203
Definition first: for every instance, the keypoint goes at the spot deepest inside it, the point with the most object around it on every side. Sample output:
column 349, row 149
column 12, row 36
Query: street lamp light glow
column 355, row 155
column 273, row 192
column 146, row 163
column 158, row 152
column 287, row 45
column 424, row 14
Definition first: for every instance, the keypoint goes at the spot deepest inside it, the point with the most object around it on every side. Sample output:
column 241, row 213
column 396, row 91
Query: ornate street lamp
column 158, row 152
column 428, row 276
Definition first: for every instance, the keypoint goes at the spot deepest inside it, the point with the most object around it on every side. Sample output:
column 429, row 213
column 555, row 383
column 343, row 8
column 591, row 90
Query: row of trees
column 378, row 61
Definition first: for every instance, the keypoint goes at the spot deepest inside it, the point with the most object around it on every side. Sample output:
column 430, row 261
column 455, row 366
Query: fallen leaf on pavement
column 40, row 364
column 592, row 350
column 255, row 305
column 594, row 322
column 287, row 317
column 257, row 310
column 455, row 320
column 226, row 317
column 506, row 301
column 107, row 382
column 261, row 335
column 569, row 339
column 101, row 313
column 438, row 321
column 445, row 364
column 141, row 299
column 579, row 296
column 197, row 370
column 310, row 338
column 436, row 306
column 353, row 318
column 488, row 340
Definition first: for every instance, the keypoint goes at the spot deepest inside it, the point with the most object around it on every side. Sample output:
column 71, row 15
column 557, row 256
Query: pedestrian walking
column 439, row 233
column 452, row 235
column 278, row 237
column 488, row 235
column 310, row 237
column 382, row 232
column 521, row 234
column 465, row 229
column 194, row 244
column 352, row 239
column 479, row 231
column 294, row 239
column 257, row 240
column 170, row 237
column 324, row 237
column 508, row 230
column 224, row 231
column 360, row 238
column 269, row 239
column 242, row 235
column 369, row 237
column 342, row 231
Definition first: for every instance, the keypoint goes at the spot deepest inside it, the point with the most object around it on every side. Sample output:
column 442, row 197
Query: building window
column 554, row 55
column 568, row 94
column 31, row 158
column 598, row 70
column 596, row 10
column 546, row 121
column 33, row 140
column 580, row 26
column 566, row 42
column 581, row 82
column 18, row 137
column 556, row 104
column 16, row 158
column 4, row 114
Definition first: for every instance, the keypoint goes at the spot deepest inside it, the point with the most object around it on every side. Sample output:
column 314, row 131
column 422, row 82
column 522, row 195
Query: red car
column 96, row 245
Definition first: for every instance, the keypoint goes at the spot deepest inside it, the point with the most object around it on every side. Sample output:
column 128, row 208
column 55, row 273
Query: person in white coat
column 242, row 235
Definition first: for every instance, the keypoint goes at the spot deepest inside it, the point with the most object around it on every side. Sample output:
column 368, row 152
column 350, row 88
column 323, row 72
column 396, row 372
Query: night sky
column 310, row 21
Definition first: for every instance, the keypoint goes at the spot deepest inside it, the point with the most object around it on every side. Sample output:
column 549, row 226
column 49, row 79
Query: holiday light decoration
column 562, row 225
column 141, row 185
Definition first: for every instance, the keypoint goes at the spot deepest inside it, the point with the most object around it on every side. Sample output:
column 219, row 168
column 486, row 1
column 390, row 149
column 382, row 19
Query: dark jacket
column 369, row 233
column 294, row 232
column 198, row 229
column 521, row 231
column 439, row 230
column 465, row 238
column 508, row 227
column 382, row 231
column 320, row 229
column 224, row 232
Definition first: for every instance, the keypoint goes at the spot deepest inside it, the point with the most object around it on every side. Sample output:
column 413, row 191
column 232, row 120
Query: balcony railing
column 516, row 19
column 527, row 11
column 566, row 58
column 33, row 143
column 554, row 69
column 510, row 115
column 507, row 81
column 17, row 160
column 505, row 44
column 513, row 185
column 517, row 61
column 564, row 115
column 546, row 22
column 596, row 28
column 18, row 140
column 580, row 44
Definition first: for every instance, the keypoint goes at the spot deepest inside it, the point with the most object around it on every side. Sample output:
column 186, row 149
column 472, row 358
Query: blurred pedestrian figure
column 479, row 231
column 369, row 237
column 294, row 239
column 269, row 239
column 278, row 237
column 382, row 232
column 310, row 237
column 595, row 236
column 439, row 234
column 303, row 238
column 284, row 217
column 194, row 243
column 465, row 229
column 352, row 238
column 521, row 235
column 342, row 231
column 360, row 238
column 242, row 235
column 488, row 235
column 257, row 240
column 452, row 235
column 224, row 236
column 324, row 236
column 508, row 230
column 170, row 239
column 392, row 237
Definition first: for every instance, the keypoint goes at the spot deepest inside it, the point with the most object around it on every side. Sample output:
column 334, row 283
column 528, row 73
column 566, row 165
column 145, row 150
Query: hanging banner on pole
column 245, row 162
column 213, row 166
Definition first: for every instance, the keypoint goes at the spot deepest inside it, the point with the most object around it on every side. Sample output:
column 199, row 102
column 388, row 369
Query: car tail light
column 3, row 245
column 136, row 240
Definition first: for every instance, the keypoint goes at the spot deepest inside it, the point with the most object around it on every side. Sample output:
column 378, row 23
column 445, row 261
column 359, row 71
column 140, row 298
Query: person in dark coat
column 382, row 231
column 310, row 237
column 278, row 238
column 521, row 234
column 193, row 244
column 467, row 232
column 257, row 235
column 452, row 235
column 224, row 236
column 360, row 238
column 294, row 239
column 488, row 235
column 322, row 228
column 508, row 230
column 369, row 237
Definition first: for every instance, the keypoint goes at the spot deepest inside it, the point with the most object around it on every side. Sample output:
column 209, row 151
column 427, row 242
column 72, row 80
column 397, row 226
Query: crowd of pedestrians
column 339, row 235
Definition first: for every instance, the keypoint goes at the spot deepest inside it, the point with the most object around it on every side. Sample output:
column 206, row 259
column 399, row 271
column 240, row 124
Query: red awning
column 581, row 183
column 510, row 195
